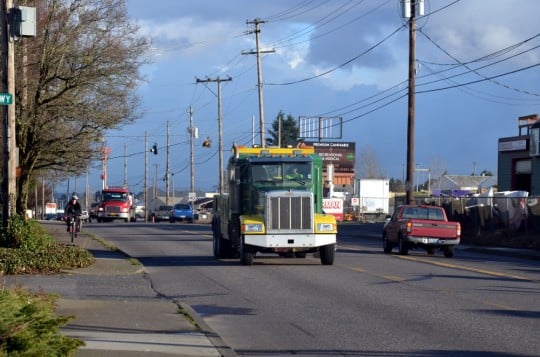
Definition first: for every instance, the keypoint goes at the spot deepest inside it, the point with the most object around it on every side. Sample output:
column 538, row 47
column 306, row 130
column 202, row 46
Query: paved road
column 368, row 303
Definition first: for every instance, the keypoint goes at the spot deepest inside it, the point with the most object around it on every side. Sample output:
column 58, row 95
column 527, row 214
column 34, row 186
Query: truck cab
column 273, row 205
column 115, row 203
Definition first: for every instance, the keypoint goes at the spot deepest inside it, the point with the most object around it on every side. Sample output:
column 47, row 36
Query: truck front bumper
column 432, row 241
column 113, row 215
column 289, row 240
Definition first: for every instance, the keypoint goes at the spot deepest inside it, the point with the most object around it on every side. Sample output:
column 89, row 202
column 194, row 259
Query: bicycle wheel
column 72, row 232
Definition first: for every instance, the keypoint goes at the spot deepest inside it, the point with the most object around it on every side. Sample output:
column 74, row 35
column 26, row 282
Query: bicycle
column 74, row 224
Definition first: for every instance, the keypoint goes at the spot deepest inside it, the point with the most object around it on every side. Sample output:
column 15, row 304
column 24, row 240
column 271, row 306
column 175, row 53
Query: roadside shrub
column 25, row 234
column 28, row 326
column 48, row 260
column 31, row 249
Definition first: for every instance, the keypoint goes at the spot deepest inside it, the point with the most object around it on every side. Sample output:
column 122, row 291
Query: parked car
column 85, row 217
column 182, row 212
column 163, row 213
column 92, row 214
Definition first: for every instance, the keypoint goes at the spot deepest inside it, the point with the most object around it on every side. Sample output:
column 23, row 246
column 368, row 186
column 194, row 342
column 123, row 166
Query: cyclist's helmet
column 74, row 197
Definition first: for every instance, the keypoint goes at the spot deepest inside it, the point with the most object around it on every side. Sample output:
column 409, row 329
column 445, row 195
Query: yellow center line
column 460, row 267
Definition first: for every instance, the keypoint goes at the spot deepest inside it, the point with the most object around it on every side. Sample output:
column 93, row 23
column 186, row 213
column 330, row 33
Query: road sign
column 6, row 98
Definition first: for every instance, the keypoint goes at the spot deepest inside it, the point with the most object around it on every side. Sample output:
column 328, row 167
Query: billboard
column 341, row 154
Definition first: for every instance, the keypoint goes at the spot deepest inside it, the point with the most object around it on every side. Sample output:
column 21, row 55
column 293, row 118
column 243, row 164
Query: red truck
column 115, row 203
column 421, row 226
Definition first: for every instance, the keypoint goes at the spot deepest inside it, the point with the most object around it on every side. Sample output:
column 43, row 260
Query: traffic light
column 207, row 143
column 154, row 149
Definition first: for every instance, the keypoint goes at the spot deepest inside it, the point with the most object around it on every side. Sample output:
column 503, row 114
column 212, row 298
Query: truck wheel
column 300, row 254
column 328, row 253
column 246, row 253
column 387, row 246
column 99, row 220
column 449, row 251
column 217, row 246
column 403, row 248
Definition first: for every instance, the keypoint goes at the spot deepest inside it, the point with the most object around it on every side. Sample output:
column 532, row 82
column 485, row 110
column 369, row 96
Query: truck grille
column 112, row 209
column 288, row 212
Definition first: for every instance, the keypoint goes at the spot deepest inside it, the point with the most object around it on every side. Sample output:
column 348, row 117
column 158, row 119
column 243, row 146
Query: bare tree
column 438, row 169
column 367, row 164
column 79, row 77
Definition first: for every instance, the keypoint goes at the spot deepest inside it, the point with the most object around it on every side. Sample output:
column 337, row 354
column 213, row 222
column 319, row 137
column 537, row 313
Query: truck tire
column 246, row 253
column 403, row 247
column 449, row 251
column 387, row 246
column 218, row 245
column 328, row 253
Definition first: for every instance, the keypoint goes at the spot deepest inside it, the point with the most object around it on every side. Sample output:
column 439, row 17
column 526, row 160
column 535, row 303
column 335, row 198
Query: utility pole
column 155, row 180
column 145, row 192
column 192, row 136
column 409, row 183
column 167, row 168
column 125, row 166
column 258, row 52
column 9, row 183
column 220, row 130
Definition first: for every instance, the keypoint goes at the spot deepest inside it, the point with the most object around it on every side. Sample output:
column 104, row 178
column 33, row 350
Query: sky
column 477, row 71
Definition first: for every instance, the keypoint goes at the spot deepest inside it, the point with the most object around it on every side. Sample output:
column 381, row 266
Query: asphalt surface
column 112, row 321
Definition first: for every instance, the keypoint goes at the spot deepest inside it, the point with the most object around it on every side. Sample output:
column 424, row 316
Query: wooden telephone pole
column 220, row 130
column 9, row 183
column 409, row 181
column 258, row 52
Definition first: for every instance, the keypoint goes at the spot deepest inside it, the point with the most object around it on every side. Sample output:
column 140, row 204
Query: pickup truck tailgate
column 441, row 230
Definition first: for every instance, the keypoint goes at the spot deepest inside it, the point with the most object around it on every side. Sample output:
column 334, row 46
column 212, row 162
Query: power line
column 343, row 64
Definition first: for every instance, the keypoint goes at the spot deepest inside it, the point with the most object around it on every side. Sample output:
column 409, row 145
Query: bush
column 25, row 234
column 30, row 249
column 28, row 326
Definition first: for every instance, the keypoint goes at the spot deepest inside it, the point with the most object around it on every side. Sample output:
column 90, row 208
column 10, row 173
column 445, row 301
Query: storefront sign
column 514, row 145
column 333, row 206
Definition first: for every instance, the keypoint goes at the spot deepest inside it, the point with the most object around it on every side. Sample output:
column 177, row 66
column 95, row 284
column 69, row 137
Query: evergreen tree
column 290, row 131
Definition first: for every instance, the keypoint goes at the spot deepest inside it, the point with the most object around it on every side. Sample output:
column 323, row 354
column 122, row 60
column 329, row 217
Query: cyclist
column 73, row 208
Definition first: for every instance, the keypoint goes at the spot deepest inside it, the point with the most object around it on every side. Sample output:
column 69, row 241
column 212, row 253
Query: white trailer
column 374, row 195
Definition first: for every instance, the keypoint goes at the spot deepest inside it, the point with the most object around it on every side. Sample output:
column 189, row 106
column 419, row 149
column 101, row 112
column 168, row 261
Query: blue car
column 181, row 212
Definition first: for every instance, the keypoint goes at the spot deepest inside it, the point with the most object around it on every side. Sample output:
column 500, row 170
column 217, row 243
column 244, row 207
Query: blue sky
column 477, row 72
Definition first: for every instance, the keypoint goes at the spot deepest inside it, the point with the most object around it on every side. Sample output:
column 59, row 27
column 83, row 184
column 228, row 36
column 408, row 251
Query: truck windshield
column 282, row 174
column 114, row 196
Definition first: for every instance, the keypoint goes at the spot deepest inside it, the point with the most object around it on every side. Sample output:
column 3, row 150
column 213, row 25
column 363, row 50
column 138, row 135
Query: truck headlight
column 252, row 227
column 325, row 227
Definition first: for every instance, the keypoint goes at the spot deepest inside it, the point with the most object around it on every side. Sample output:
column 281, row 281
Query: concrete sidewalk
column 110, row 318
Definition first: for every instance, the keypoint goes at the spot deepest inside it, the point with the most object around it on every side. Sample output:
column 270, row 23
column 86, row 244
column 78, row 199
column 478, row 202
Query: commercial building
column 519, row 158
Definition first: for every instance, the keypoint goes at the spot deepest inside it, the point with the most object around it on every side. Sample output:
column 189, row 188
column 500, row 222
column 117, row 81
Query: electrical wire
column 341, row 65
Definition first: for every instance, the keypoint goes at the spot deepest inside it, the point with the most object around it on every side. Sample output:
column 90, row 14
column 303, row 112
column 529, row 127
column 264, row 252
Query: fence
column 496, row 220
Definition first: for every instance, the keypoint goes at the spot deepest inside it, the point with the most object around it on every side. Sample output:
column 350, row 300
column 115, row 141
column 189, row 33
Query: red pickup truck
column 421, row 226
